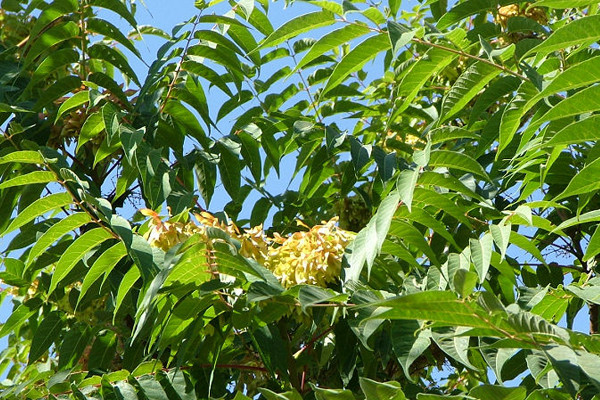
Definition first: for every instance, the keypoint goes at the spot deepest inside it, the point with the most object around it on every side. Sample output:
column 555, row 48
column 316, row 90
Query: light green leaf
column 114, row 57
column 19, row 315
column 330, row 41
column 496, row 392
column 501, row 235
column 455, row 160
column 432, row 62
column 454, row 343
column 117, row 7
column 591, row 216
column 39, row 208
column 298, row 25
column 585, row 181
column 481, row 255
column 399, row 35
column 356, row 59
column 562, row 4
column 514, row 111
column 467, row 86
column 464, row 282
column 463, row 10
column 581, row 131
column 54, row 35
column 55, row 60
column 574, row 33
column 127, row 283
column 369, row 240
column 590, row 294
column 23, row 156
column 102, row 266
column 332, row 394
column 381, row 390
column 593, row 247
column 436, row 306
column 72, row 102
column 75, row 252
column 409, row 342
column 30, row 178
column 93, row 125
column 406, row 185
column 55, row 232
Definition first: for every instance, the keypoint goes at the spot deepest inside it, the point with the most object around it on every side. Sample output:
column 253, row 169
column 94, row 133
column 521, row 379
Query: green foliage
column 458, row 144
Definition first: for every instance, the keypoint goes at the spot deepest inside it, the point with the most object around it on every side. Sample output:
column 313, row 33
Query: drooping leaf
column 76, row 251
column 39, row 208
column 573, row 33
column 298, row 25
column 356, row 59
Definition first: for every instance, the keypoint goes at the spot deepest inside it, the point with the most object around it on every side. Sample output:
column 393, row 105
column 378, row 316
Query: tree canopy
column 438, row 236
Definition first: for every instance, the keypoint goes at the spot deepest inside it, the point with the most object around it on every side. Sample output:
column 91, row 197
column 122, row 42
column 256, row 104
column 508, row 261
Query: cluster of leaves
column 459, row 143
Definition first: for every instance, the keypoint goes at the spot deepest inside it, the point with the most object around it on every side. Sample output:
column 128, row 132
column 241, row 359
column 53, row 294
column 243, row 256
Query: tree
column 447, row 162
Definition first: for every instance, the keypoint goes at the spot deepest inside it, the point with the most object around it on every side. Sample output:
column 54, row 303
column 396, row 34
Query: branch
column 464, row 54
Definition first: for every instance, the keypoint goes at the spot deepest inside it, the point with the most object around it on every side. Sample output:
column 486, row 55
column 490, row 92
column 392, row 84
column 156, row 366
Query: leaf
column 501, row 235
column 590, row 294
column 406, row 185
column 30, row 178
column 593, row 247
column 73, row 345
column 72, row 102
column 455, row 160
column 409, row 342
column 381, row 390
column 330, row 41
column 399, row 35
column 75, row 252
column 463, row 10
column 230, row 171
column 561, row 4
column 47, row 332
column 19, row 315
column 39, row 208
column 574, row 33
column 591, row 216
column 514, row 111
column 454, row 343
column 54, row 61
column 102, row 266
column 464, row 282
column 495, row 91
column 117, row 7
column 496, row 392
column 578, row 132
column 332, row 394
column 585, row 181
column 467, row 86
column 103, row 52
column 55, row 232
column 51, row 37
column 436, row 306
column 23, row 156
column 369, row 240
column 130, row 278
column 103, row 349
column 298, row 25
column 481, row 255
column 356, row 59
column 109, row 31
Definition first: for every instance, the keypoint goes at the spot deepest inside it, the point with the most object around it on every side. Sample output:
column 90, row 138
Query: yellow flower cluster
column 313, row 256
